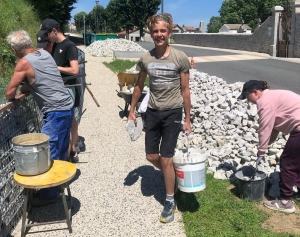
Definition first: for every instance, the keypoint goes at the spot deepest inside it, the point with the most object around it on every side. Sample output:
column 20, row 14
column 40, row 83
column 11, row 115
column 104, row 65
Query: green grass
column 218, row 211
column 15, row 15
column 120, row 65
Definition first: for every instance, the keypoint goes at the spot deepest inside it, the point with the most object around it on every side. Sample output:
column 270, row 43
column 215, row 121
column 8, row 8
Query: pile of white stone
column 106, row 48
column 226, row 128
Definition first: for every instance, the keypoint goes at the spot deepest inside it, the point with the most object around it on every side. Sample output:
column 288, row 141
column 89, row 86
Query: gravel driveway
column 116, row 191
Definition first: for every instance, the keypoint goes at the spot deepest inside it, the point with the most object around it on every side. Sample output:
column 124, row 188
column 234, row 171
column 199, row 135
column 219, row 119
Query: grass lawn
column 217, row 211
column 120, row 65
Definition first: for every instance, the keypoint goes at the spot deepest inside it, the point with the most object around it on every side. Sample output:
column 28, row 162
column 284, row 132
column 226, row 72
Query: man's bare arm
column 138, row 89
column 18, row 76
column 72, row 70
column 185, row 91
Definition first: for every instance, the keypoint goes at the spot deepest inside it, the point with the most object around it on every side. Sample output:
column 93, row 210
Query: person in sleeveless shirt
column 65, row 54
column 168, row 69
column 278, row 111
column 42, row 78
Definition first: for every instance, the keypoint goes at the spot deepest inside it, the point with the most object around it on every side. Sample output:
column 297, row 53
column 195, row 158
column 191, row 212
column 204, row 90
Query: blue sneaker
column 167, row 214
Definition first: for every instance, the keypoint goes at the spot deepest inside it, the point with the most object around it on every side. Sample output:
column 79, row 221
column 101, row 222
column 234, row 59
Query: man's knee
column 152, row 157
column 166, row 161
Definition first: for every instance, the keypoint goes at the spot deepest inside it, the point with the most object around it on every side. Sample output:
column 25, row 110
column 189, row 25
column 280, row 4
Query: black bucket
column 253, row 190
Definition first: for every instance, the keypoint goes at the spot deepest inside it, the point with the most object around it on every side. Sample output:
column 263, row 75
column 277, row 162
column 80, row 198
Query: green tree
column 119, row 16
column 79, row 19
column 60, row 10
column 234, row 11
column 214, row 24
column 96, row 18
column 141, row 10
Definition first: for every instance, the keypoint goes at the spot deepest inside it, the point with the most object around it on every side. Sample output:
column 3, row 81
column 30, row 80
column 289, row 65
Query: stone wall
column 297, row 36
column 259, row 41
column 294, row 47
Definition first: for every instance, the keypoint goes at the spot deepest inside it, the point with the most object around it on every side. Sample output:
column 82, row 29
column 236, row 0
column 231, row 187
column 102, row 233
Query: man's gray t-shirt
column 48, row 88
column 165, row 86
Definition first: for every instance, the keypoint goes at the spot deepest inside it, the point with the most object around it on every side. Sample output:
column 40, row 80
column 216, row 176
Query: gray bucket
column 31, row 153
column 253, row 190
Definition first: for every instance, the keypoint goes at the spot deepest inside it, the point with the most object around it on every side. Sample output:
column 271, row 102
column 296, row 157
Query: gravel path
column 116, row 191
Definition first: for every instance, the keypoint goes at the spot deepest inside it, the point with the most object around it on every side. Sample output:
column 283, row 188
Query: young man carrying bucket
column 168, row 70
column 38, row 70
column 278, row 111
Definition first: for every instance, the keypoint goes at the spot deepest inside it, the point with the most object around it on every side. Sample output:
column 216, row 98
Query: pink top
column 278, row 111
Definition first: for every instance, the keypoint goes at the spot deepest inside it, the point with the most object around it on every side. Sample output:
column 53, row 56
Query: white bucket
column 191, row 171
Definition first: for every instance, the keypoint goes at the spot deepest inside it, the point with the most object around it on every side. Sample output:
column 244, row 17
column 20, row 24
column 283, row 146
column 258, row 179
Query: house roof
column 189, row 28
column 174, row 26
column 237, row 26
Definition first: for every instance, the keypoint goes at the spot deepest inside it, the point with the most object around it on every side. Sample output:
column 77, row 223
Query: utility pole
column 97, row 1
column 162, row 6
column 84, row 30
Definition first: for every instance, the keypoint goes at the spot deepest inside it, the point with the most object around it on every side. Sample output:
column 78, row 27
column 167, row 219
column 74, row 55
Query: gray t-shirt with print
column 165, row 86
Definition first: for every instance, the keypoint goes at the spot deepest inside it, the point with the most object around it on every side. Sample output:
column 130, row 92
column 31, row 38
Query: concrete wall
column 259, row 41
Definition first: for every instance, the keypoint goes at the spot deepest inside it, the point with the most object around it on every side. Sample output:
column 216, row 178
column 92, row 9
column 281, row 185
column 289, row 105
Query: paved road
column 233, row 66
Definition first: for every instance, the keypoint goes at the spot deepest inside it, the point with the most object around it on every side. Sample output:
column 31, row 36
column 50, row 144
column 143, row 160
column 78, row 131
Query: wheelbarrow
column 126, row 79
column 127, row 96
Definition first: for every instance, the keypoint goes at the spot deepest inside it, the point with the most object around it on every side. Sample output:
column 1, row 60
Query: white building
column 235, row 28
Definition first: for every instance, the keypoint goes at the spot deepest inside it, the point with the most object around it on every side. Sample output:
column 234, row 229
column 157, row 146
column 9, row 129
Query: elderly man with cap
column 65, row 54
column 39, row 72
column 278, row 111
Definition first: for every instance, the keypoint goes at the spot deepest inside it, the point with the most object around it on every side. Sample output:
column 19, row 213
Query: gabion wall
column 22, row 118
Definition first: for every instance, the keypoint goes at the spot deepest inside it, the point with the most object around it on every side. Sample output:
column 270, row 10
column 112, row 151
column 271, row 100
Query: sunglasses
column 46, row 33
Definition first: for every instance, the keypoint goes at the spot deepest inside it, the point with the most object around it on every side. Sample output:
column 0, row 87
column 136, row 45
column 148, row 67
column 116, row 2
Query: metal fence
column 24, row 117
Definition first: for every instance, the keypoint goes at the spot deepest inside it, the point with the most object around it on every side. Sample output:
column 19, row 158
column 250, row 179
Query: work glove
column 259, row 159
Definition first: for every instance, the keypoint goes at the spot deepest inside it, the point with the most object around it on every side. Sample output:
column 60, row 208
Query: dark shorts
column 162, row 130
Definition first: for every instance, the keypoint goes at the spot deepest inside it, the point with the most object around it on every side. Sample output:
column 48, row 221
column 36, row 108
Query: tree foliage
column 96, row 19
column 60, row 10
column 141, row 10
column 119, row 15
column 214, row 24
column 234, row 11
column 81, row 19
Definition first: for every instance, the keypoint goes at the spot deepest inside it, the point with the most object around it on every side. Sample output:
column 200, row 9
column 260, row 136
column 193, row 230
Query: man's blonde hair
column 166, row 17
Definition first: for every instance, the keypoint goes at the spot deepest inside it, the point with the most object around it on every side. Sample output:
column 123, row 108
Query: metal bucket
column 31, row 153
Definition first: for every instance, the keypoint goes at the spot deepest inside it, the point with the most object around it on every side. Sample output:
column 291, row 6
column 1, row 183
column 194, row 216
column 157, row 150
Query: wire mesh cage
column 24, row 117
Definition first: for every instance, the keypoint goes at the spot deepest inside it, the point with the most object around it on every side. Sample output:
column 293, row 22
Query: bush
column 15, row 15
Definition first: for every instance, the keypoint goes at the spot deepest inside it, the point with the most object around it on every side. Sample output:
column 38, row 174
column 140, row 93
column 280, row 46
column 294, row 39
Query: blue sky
column 187, row 12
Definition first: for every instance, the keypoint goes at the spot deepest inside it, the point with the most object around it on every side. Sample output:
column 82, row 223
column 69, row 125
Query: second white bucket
column 191, row 171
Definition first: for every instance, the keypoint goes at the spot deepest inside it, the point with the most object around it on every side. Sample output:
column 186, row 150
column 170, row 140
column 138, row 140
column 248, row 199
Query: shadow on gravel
column 78, row 173
column 52, row 212
column 152, row 182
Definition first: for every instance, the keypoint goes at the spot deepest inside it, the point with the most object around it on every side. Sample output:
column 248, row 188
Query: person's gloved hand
column 259, row 159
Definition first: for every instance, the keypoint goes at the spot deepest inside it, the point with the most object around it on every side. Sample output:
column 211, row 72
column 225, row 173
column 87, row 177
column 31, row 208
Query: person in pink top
column 278, row 111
